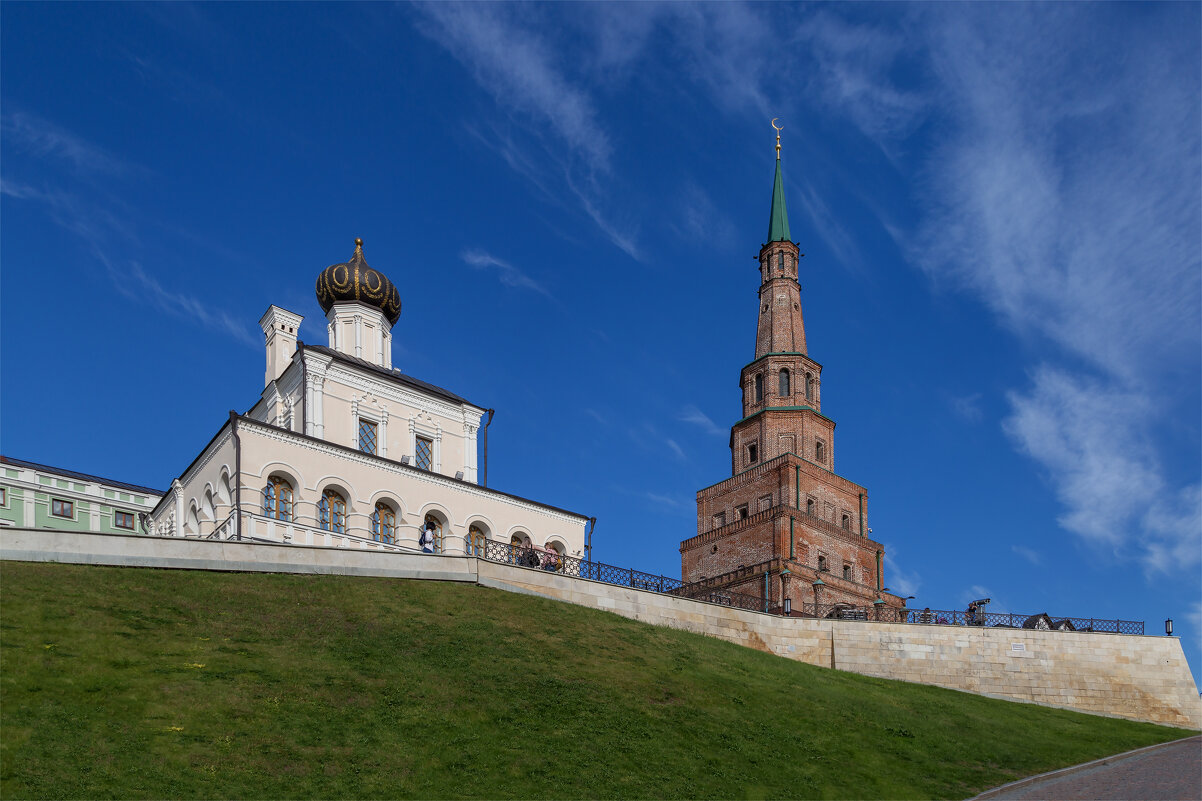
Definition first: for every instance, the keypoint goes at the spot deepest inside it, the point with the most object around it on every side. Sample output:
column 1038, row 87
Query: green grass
column 136, row 683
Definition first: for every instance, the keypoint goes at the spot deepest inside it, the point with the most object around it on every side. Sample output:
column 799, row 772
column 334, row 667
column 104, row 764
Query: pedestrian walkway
column 1166, row 772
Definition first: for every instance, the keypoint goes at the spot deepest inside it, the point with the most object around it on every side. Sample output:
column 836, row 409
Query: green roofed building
column 38, row 496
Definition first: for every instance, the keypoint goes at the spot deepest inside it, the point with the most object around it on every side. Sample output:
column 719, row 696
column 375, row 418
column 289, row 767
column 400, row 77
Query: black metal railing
column 881, row 613
column 552, row 562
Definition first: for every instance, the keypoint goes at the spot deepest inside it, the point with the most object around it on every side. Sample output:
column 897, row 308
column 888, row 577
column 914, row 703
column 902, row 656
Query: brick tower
column 784, row 524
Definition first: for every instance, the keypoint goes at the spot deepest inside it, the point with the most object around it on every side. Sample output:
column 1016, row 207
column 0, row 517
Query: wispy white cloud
column 1057, row 197
column 967, row 407
column 1029, row 554
column 900, row 581
column 691, row 414
column 44, row 139
column 675, row 448
column 528, row 77
column 507, row 274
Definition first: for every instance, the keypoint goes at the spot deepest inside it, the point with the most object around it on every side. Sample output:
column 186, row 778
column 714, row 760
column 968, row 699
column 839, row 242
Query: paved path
column 1168, row 772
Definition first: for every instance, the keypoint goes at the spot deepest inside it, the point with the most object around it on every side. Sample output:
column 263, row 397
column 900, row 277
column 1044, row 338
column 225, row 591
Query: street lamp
column 1168, row 627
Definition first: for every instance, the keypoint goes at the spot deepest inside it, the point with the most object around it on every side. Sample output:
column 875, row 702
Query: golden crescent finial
column 778, row 128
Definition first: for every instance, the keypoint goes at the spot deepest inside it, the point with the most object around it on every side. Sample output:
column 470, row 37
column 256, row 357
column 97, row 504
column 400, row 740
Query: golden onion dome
column 356, row 282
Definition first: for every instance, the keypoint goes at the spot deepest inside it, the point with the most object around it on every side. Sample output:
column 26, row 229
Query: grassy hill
column 137, row 683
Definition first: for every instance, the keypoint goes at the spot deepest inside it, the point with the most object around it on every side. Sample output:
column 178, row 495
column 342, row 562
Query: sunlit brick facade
column 784, row 524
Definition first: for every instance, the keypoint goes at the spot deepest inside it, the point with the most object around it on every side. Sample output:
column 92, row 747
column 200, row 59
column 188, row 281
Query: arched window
column 809, row 387
column 820, row 452
column 784, row 383
column 847, row 572
column 780, row 261
column 822, row 567
column 383, row 523
column 277, row 499
column 331, row 512
column 759, row 387
column 437, row 532
column 475, row 541
column 810, row 506
column 847, row 522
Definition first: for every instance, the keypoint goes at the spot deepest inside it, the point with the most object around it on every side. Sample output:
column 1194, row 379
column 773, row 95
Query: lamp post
column 1168, row 627
column 818, row 585
column 787, row 602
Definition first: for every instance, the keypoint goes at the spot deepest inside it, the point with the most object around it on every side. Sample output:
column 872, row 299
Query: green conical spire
column 778, row 222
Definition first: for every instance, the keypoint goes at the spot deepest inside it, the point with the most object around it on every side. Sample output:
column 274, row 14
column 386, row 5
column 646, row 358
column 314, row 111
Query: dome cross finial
column 778, row 128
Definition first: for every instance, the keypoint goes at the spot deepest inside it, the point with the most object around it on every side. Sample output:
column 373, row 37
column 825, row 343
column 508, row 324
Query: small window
column 60, row 508
column 822, row 566
column 720, row 519
column 765, row 502
column 784, row 384
column 123, row 520
column 425, row 453
column 780, row 261
column 847, row 573
column 820, row 452
column 367, row 436
column 3, row 496
column 809, row 387
column 331, row 512
column 753, row 453
column 759, row 387
column 811, row 507
column 383, row 524
column 847, row 522
column 741, row 512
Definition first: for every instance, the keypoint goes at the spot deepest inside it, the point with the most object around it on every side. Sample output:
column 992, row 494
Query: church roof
column 357, row 282
column 394, row 374
column 778, row 221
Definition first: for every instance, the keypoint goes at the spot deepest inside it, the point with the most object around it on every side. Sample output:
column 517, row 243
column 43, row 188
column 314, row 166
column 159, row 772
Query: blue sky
column 1000, row 207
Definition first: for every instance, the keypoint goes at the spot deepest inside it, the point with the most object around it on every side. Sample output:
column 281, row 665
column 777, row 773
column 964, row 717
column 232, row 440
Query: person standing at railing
column 427, row 538
column 551, row 559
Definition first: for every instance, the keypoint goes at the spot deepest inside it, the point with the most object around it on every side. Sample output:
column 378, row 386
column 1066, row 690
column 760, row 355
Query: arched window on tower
column 383, row 523
column 331, row 512
column 811, row 507
column 759, row 387
column 277, row 499
column 820, row 452
column 847, row 522
column 809, row 387
column 780, row 262
column 784, row 383
column 822, row 566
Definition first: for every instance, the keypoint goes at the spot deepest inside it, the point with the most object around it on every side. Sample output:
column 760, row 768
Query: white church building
column 343, row 450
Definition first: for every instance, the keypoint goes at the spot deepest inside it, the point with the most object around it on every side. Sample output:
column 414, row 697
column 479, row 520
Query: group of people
column 528, row 556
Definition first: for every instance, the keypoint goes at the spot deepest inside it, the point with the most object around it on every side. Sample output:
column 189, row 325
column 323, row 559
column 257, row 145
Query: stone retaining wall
column 1121, row 675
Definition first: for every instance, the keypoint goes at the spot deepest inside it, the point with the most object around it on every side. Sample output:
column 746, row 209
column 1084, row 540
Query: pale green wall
column 14, row 508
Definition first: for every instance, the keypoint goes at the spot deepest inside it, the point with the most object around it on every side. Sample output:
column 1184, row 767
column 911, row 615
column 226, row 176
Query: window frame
column 757, row 388
column 375, row 434
column 784, row 383
column 4, row 497
column 70, row 515
column 417, row 457
column 820, row 451
column 383, row 523
column 277, row 483
column 331, row 511
column 132, row 519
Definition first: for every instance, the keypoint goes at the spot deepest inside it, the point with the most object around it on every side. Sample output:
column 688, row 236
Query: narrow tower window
column 810, row 507
column 847, row 522
column 780, row 261
column 759, row 387
column 784, row 383
column 822, row 566
column 820, row 452
column 753, row 453
column 847, row 573
column 809, row 387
